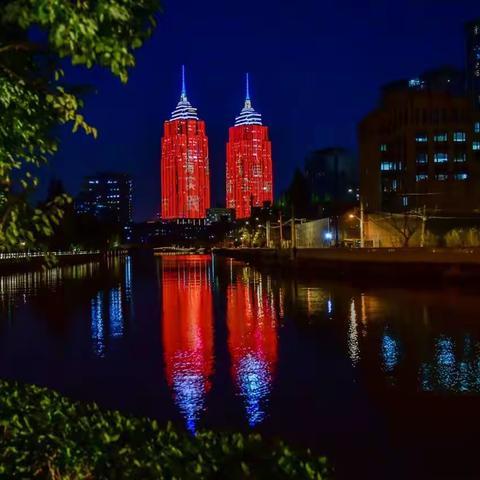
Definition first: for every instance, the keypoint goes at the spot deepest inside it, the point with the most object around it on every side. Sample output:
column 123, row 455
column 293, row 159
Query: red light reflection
column 188, row 331
column 252, row 342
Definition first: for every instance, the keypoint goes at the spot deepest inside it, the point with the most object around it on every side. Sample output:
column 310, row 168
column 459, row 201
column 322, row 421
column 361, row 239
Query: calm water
column 385, row 381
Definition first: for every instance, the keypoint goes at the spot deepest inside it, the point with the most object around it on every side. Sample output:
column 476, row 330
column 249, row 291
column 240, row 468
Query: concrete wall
column 315, row 234
column 380, row 230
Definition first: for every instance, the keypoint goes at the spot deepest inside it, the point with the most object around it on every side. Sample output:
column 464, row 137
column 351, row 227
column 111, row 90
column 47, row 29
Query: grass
column 47, row 436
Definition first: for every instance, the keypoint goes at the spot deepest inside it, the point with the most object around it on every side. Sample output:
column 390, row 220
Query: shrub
column 460, row 237
column 45, row 435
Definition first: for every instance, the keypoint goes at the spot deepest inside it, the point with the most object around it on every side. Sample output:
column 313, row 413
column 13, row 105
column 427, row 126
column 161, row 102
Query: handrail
column 19, row 255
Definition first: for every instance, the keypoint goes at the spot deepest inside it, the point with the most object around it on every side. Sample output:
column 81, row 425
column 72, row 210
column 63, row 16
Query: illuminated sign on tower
column 185, row 176
column 249, row 162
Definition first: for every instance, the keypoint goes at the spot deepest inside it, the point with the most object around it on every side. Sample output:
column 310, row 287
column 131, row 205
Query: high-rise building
column 185, row 176
column 108, row 197
column 473, row 59
column 249, row 162
column 332, row 175
column 421, row 148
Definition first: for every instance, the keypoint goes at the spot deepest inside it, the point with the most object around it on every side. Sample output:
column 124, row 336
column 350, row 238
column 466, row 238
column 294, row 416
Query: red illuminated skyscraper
column 249, row 162
column 185, row 172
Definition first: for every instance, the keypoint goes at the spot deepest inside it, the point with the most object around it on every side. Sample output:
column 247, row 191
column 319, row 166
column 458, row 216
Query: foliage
column 35, row 98
column 405, row 225
column 259, row 238
column 431, row 240
column 45, row 435
column 245, row 236
column 463, row 237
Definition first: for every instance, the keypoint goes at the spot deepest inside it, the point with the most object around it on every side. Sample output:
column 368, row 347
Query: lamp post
column 362, row 233
column 281, row 229
column 361, row 219
column 424, row 221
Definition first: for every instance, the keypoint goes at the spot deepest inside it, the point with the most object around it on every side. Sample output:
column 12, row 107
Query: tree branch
column 23, row 46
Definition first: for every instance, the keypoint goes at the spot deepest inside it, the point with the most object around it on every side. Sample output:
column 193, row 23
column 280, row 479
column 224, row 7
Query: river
column 385, row 381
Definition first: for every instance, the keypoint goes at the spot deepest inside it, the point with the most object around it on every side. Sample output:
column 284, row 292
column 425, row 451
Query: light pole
column 361, row 219
column 281, row 230
column 362, row 233
column 424, row 221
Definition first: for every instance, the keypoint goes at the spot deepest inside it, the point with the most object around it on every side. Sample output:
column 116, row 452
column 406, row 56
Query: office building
column 473, row 59
column 108, row 196
column 419, row 148
column 185, row 175
column 249, row 178
column 332, row 176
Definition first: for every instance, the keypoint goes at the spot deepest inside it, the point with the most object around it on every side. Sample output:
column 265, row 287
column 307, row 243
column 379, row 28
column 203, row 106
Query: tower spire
column 184, row 88
column 248, row 103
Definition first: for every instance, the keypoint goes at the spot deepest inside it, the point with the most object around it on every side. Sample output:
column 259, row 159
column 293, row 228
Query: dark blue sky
column 316, row 67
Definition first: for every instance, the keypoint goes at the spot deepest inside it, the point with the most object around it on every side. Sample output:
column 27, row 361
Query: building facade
column 249, row 177
column 332, row 176
column 185, row 175
column 219, row 214
column 473, row 59
column 108, row 196
column 420, row 148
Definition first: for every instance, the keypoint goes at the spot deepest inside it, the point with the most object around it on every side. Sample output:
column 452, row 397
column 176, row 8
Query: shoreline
column 395, row 265
column 35, row 263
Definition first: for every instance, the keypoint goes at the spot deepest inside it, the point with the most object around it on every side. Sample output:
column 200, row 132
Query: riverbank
column 26, row 262
column 377, row 264
column 46, row 435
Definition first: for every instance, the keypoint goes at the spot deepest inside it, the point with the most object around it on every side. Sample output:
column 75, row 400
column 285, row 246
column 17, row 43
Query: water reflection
column 16, row 288
column 252, row 340
column 414, row 350
column 453, row 368
column 390, row 352
column 98, row 335
column 352, row 339
column 108, row 308
column 187, row 325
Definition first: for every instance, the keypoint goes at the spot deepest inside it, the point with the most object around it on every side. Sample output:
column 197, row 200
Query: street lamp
column 361, row 219
column 362, row 233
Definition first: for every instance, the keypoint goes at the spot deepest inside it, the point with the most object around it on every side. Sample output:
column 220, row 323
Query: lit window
column 394, row 185
column 459, row 137
column 440, row 157
column 405, row 201
column 441, row 177
column 476, row 127
column 422, row 177
column 461, row 176
column 387, row 166
column 422, row 158
column 460, row 158
column 383, row 147
column 421, row 138
column 476, row 146
column 440, row 137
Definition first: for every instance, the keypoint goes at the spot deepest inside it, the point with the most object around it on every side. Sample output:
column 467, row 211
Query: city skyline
column 304, row 86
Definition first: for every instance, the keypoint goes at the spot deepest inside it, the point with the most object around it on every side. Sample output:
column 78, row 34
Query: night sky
column 316, row 67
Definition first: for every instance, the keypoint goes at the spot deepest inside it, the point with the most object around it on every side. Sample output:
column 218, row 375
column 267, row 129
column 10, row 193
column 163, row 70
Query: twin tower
column 185, row 174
